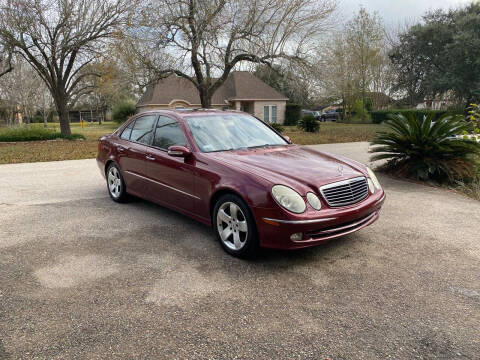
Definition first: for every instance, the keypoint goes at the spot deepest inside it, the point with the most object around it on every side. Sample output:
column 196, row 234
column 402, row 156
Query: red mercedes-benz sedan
column 234, row 172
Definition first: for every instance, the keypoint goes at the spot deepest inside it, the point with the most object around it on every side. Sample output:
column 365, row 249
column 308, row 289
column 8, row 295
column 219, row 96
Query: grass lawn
column 34, row 151
column 331, row 132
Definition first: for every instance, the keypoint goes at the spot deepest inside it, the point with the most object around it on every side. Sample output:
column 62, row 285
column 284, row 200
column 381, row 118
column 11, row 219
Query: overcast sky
column 395, row 11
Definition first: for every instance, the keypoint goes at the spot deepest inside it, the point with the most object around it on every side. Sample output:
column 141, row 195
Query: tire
column 115, row 184
column 234, row 226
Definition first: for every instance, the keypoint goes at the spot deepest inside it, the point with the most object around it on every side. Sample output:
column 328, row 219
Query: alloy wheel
column 232, row 226
column 114, row 182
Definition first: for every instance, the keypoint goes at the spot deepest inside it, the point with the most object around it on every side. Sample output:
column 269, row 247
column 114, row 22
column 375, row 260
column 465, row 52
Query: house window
column 274, row 114
column 270, row 113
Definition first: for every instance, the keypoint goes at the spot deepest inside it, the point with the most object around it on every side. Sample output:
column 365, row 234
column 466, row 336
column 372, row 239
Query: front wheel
column 234, row 226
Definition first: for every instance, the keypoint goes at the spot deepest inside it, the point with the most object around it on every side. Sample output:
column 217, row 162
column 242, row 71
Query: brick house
column 241, row 91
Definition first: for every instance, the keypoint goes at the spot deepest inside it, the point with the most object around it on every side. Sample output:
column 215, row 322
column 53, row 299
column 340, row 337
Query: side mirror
column 178, row 151
column 288, row 139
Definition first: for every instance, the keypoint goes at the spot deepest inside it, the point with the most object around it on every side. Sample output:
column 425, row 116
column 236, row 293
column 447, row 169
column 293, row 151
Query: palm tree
column 425, row 149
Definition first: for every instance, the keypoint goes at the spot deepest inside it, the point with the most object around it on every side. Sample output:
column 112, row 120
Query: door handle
column 150, row 157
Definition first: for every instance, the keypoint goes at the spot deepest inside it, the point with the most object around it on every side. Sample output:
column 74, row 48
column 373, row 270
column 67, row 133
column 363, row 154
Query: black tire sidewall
column 123, row 194
column 251, row 246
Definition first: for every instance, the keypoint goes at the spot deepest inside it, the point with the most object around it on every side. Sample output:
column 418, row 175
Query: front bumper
column 275, row 230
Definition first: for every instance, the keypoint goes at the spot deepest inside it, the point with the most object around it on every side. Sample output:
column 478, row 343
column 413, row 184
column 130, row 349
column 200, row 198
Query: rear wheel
column 234, row 226
column 116, row 184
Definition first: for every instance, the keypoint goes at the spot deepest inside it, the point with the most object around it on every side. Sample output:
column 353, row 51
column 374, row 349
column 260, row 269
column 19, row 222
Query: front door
column 171, row 178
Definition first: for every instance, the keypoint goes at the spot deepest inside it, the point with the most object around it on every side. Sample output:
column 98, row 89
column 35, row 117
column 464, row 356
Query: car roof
column 191, row 112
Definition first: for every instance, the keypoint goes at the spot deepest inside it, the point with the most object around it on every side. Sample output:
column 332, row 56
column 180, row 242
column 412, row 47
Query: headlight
column 371, row 187
column 314, row 201
column 289, row 199
column 374, row 179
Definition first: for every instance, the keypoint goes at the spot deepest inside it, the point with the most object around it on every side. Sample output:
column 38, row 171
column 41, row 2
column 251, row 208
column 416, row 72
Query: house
column 439, row 102
column 87, row 114
column 10, row 113
column 379, row 100
column 241, row 91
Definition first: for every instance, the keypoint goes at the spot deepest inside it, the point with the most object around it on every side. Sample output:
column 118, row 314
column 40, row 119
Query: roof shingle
column 240, row 85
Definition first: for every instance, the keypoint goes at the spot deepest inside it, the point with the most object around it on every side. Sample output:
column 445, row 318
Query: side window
column 168, row 133
column 142, row 131
column 127, row 131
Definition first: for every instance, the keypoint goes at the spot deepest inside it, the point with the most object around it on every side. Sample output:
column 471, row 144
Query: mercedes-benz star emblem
column 340, row 170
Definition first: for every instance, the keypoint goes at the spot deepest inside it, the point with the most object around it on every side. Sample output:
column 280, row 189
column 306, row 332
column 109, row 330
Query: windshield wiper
column 258, row 146
column 230, row 149
column 264, row 145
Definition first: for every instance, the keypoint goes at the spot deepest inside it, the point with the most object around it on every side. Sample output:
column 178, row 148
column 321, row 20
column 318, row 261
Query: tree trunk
column 64, row 119
column 45, row 124
column 205, row 98
column 363, row 100
column 98, row 114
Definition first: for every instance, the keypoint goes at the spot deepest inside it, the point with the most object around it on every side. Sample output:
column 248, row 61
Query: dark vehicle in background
column 332, row 115
column 235, row 173
column 315, row 114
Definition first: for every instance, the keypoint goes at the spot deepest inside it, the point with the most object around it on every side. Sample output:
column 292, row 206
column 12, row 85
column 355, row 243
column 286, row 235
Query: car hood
column 292, row 165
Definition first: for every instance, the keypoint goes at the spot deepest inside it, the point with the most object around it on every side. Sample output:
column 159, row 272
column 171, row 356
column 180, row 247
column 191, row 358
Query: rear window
column 142, row 131
column 127, row 131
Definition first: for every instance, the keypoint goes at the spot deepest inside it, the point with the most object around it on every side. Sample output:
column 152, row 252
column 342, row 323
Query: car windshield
column 231, row 132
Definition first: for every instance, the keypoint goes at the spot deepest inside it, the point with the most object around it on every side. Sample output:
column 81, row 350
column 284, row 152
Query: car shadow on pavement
column 199, row 237
column 325, row 251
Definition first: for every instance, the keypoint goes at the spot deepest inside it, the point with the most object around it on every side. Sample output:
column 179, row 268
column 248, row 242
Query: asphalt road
column 83, row 277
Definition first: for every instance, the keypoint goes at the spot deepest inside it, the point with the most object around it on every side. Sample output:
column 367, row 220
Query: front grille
column 346, row 192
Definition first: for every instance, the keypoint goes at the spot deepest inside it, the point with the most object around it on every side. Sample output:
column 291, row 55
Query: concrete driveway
column 83, row 277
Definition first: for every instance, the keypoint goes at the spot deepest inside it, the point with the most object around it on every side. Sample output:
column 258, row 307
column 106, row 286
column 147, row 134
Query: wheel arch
column 218, row 194
column 107, row 164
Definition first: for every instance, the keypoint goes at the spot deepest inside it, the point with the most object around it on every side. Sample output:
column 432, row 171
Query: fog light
column 296, row 237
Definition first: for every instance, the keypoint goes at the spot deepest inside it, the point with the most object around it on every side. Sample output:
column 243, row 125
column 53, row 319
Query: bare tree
column 5, row 60
column 336, row 70
column 22, row 87
column 59, row 38
column 364, row 36
column 114, row 85
column 203, row 40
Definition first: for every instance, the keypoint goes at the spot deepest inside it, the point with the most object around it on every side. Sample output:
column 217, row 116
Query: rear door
column 171, row 177
column 132, row 152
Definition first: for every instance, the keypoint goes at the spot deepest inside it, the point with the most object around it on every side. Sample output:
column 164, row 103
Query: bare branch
column 203, row 40
column 59, row 38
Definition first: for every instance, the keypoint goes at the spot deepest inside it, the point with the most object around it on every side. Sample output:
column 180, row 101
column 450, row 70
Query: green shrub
column 277, row 127
column 426, row 150
column 293, row 113
column 473, row 117
column 309, row 124
column 380, row 116
column 27, row 133
column 360, row 116
column 122, row 111
column 359, row 111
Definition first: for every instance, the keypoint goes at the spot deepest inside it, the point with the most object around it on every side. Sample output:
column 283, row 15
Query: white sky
column 397, row 11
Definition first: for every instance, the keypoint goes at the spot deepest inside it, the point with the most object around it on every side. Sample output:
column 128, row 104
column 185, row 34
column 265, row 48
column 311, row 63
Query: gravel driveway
column 83, row 277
